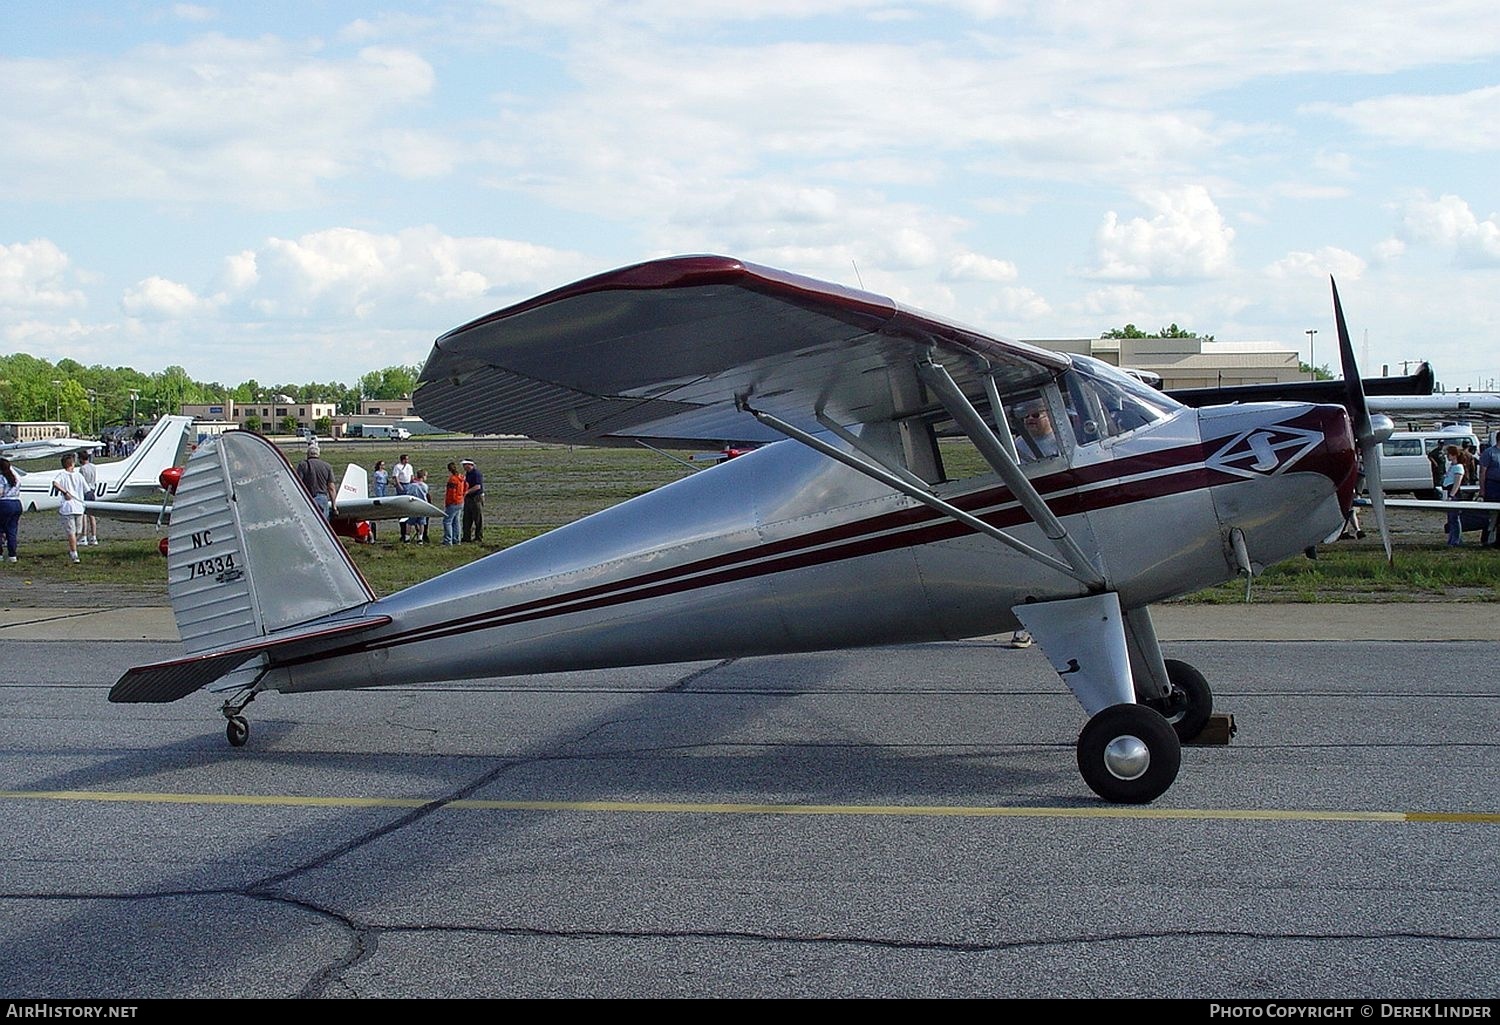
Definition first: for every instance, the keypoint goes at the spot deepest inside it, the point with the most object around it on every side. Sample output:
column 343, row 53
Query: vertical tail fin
column 356, row 484
column 165, row 446
column 248, row 553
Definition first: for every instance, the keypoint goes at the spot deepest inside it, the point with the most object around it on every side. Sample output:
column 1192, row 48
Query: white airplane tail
column 356, row 484
column 252, row 569
column 140, row 473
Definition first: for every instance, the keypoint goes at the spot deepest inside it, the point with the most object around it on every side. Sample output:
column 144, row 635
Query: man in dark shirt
column 316, row 477
column 473, row 503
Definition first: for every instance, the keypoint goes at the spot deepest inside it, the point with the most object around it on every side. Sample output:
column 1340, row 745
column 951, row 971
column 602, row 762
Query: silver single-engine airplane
column 1094, row 497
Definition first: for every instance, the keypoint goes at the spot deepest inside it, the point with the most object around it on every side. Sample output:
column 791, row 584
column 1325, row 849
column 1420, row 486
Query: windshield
column 1124, row 402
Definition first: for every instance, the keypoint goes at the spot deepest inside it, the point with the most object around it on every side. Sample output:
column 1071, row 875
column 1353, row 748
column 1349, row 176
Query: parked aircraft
column 43, row 448
column 1094, row 497
column 352, row 514
column 136, row 476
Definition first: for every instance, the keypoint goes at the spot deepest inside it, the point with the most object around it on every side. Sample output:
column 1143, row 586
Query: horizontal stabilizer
column 129, row 512
column 168, row 681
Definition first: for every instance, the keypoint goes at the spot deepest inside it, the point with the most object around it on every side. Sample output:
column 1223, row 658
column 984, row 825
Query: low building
column 1189, row 362
column 270, row 412
column 35, row 430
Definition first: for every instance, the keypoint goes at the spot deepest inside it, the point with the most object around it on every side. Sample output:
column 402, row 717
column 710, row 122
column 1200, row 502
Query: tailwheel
column 1129, row 754
column 1190, row 703
column 238, row 730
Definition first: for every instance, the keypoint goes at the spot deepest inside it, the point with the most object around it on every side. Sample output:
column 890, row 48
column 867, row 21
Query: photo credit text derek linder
column 1359, row 1009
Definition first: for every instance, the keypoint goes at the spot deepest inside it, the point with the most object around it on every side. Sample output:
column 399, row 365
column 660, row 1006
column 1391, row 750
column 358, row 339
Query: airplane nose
column 1280, row 440
column 1337, row 458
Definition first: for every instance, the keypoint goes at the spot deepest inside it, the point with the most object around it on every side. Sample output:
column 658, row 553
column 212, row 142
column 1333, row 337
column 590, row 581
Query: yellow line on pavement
column 726, row 808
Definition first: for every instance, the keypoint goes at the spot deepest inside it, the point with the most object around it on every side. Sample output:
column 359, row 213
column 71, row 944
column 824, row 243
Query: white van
column 1404, row 462
column 383, row 431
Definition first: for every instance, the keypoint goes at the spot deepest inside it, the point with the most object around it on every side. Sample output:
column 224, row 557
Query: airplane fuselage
column 785, row 550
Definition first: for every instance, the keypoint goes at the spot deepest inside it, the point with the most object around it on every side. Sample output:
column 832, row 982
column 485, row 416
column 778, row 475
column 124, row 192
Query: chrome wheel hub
column 1127, row 757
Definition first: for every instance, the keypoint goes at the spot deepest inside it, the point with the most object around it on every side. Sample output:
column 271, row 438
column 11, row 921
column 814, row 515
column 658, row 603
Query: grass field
column 533, row 488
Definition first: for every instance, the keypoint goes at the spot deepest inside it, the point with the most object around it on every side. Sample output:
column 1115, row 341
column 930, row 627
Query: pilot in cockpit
column 1035, row 437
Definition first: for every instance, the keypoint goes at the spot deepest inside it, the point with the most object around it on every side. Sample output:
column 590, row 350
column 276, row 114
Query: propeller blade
column 1377, row 496
column 1354, row 391
column 1365, row 434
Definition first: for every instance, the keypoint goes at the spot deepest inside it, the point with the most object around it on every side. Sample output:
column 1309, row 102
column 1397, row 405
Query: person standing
column 68, row 484
column 453, row 504
column 380, row 478
column 418, row 487
column 1453, row 479
column 10, row 507
column 473, row 503
column 316, row 477
column 1489, row 484
column 90, row 474
column 403, row 472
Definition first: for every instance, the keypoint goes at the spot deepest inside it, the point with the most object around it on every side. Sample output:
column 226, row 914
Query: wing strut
column 857, row 443
column 871, row 470
column 936, row 377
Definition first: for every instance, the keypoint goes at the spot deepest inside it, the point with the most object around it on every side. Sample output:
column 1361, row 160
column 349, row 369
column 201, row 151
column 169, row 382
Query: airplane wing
column 391, row 507
column 1464, row 407
column 665, row 352
column 1331, row 391
column 1434, row 505
column 45, row 447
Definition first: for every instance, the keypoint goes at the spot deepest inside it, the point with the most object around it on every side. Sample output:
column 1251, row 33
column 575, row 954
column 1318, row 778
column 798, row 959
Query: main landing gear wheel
column 1190, row 703
column 1129, row 754
column 238, row 730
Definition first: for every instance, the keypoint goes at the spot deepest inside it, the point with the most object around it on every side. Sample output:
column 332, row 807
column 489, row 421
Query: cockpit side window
column 1031, row 419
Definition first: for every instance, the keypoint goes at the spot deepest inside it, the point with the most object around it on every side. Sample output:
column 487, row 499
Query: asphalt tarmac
column 903, row 822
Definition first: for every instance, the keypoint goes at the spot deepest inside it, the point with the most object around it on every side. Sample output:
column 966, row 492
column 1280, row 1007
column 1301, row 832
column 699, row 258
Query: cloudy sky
column 309, row 191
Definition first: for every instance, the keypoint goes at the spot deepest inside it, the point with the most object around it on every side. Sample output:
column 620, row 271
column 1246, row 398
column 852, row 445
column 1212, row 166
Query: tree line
column 91, row 398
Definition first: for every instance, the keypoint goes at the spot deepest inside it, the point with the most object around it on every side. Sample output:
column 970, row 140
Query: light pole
column 133, row 396
column 93, row 412
column 1311, row 366
column 57, row 390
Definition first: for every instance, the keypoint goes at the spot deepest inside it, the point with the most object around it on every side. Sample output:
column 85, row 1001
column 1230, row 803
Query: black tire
column 1162, row 749
column 238, row 731
column 1190, row 703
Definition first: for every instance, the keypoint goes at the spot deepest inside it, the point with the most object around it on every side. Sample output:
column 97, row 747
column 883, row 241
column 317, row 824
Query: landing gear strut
column 1190, row 702
column 238, row 727
column 1129, row 754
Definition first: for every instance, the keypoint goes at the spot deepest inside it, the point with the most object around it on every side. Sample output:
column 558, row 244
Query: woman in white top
column 10, row 507
column 1453, row 480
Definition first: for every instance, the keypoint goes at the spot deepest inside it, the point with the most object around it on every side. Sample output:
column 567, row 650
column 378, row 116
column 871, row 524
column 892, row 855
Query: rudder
column 248, row 554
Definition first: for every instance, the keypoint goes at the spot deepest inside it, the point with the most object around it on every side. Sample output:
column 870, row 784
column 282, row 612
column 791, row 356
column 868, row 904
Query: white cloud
column 262, row 123
column 1329, row 260
column 1113, row 301
column 1447, row 223
column 72, row 339
column 974, row 267
column 401, row 277
column 1389, row 250
column 34, row 276
column 1185, row 239
column 157, row 298
column 194, row 12
column 1467, row 122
